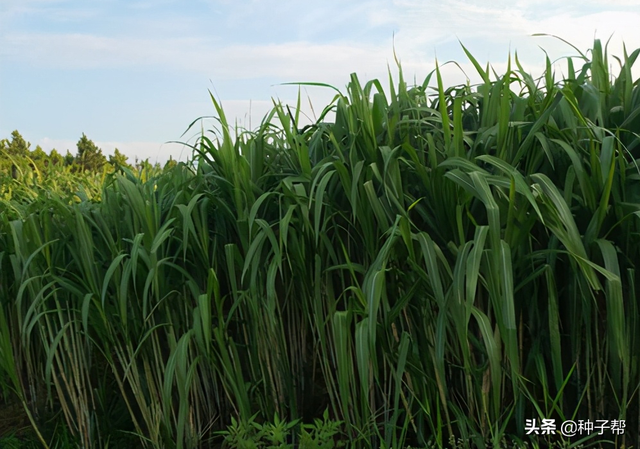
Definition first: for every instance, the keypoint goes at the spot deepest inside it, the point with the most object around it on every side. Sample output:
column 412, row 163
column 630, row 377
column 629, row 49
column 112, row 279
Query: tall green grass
column 434, row 263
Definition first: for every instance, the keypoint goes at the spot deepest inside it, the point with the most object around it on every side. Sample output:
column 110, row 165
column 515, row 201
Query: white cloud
column 154, row 151
column 499, row 22
column 492, row 30
column 288, row 60
column 425, row 26
column 297, row 61
column 85, row 51
column 52, row 10
column 420, row 27
column 60, row 145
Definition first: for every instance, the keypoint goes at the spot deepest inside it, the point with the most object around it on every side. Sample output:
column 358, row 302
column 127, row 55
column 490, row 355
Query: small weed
column 281, row 434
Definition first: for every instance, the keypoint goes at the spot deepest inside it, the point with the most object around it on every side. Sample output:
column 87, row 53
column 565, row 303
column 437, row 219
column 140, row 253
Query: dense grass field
column 431, row 266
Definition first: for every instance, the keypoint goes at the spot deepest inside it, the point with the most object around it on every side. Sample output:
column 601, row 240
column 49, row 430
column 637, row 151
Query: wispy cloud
column 293, row 61
column 419, row 27
column 53, row 11
column 492, row 29
column 86, row 51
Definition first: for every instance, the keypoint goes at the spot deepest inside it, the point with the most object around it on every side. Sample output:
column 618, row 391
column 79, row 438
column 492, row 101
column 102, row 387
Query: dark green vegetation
column 433, row 265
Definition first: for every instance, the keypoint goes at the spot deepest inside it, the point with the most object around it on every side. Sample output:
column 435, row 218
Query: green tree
column 117, row 159
column 89, row 156
column 18, row 146
column 17, row 150
column 5, row 163
column 39, row 157
column 69, row 159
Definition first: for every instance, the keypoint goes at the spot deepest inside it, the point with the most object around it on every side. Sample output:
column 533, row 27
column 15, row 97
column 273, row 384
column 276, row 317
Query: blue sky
column 134, row 74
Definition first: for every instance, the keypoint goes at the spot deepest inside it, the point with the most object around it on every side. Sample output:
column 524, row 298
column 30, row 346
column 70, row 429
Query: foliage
column 118, row 159
column 11, row 441
column 279, row 434
column 19, row 159
column 321, row 434
column 89, row 156
column 17, row 147
column 435, row 264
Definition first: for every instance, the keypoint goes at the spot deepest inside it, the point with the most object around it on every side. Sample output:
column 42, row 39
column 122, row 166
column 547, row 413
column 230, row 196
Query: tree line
column 17, row 155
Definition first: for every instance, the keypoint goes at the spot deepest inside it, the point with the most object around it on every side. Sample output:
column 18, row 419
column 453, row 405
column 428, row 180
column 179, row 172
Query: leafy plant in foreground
column 283, row 435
